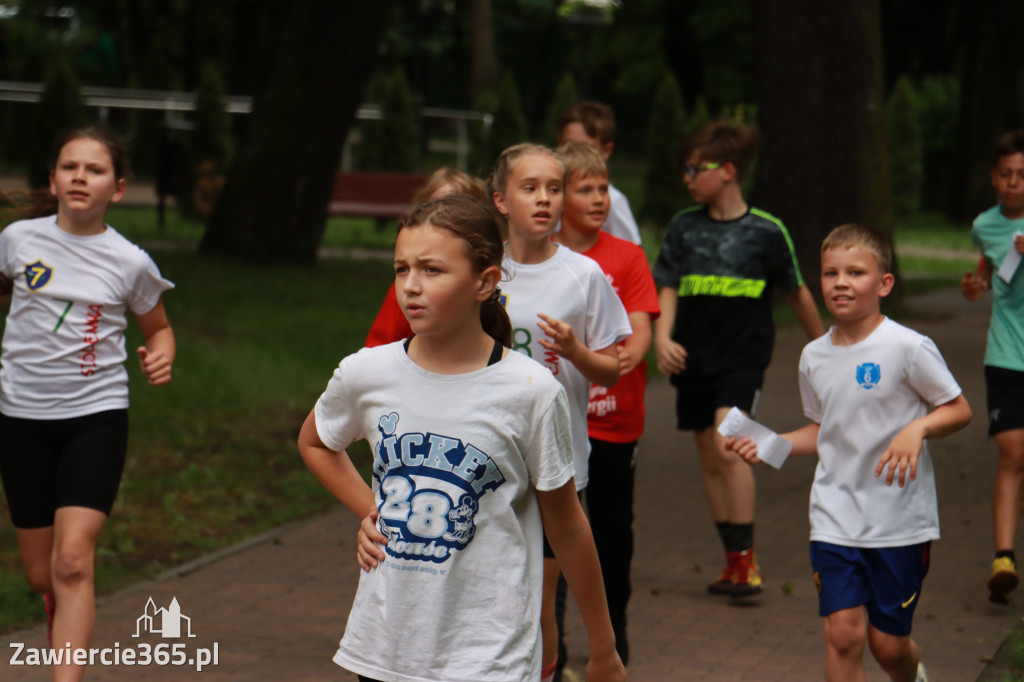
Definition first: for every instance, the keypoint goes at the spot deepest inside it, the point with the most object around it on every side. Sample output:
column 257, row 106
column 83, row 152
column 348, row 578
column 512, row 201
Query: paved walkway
column 276, row 607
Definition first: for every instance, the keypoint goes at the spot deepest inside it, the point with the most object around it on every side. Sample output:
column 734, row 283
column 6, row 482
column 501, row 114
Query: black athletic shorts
column 51, row 463
column 697, row 398
column 1004, row 393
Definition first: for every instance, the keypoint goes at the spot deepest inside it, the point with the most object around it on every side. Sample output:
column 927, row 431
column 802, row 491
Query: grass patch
column 1007, row 665
column 212, row 457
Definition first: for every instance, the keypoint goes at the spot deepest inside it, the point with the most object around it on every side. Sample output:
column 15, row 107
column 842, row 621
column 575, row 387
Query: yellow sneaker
column 1003, row 579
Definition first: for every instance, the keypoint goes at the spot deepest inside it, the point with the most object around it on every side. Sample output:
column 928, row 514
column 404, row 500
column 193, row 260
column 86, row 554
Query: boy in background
column 615, row 416
column 716, row 273
column 867, row 387
column 997, row 232
column 593, row 123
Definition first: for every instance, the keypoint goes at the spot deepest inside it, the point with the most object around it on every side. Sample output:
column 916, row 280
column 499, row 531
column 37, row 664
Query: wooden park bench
column 373, row 195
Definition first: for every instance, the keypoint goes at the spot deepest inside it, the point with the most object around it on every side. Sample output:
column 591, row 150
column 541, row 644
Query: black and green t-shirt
column 724, row 273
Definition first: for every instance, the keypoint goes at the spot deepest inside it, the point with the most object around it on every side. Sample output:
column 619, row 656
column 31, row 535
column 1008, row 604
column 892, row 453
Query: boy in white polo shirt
column 867, row 386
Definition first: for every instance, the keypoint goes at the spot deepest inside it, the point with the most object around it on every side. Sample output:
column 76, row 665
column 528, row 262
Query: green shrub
column 509, row 125
column 938, row 101
column 903, row 130
column 665, row 132
column 390, row 143
column 211, row 136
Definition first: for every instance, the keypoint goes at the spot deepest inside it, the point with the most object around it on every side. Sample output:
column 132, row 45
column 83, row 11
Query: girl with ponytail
column 472, row 452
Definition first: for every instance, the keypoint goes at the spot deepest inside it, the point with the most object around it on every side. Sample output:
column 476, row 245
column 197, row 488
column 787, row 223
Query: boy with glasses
column 715, row 274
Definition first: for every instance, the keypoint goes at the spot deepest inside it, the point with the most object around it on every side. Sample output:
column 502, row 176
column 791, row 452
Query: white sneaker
column 922, row 676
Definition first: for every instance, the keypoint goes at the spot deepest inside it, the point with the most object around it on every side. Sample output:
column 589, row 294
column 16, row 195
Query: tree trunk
column 485, row 70
column 821, row 108
column 992, row 87
column 273, row 208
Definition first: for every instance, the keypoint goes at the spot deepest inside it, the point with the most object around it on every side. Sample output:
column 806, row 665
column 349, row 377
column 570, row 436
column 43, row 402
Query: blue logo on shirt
column 429, row 490
column 37, row 275
column 869, row 374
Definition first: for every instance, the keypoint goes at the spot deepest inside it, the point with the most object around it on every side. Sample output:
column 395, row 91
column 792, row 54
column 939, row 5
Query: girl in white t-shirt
column 63, row 384
column 564, row 312
column 471, row 447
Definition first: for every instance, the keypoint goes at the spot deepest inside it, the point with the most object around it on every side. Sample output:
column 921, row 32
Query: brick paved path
column 276, row 608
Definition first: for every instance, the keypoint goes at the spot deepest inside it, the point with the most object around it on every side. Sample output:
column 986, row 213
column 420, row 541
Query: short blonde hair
column 582, row 157
column 462, row 184
column 853, row 235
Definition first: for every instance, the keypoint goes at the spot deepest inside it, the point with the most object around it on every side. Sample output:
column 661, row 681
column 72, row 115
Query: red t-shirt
column 617, row 414
column 390, row 324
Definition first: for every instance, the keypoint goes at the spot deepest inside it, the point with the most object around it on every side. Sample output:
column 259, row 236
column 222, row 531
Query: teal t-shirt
column 993, row 233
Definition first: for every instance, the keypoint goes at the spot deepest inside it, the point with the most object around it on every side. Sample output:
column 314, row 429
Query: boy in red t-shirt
column 615, row 416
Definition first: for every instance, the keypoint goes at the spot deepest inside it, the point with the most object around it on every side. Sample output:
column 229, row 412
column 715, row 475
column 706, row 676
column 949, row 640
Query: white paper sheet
column 771, row 448
column 1011, row 261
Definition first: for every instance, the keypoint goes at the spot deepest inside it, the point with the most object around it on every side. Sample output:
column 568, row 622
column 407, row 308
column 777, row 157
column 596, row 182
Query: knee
column 890, row 651
column 72, row 565
column 39, row 578
column 1011, row 456
column 845, row 636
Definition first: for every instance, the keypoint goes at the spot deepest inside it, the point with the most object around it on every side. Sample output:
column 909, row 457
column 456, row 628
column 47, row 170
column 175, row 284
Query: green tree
column 665, row 133
column 60, row 109
column 566, row 94
column 903, row 139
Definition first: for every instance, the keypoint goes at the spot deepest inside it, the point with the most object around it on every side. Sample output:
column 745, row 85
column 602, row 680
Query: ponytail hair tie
column 495, row 295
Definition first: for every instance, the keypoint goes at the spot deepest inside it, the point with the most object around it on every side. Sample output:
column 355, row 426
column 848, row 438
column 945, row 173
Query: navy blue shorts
column 697, row 399
column 1004, row 393
column 887, row 581
column 47, row 464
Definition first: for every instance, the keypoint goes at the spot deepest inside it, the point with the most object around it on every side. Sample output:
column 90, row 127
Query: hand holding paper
column 771, row 448
column 1011, row 261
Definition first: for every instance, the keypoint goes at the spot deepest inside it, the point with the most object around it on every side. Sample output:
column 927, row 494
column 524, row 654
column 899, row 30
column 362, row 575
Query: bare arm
column 802, row 303
column 905, row 448
column 156, row 357
column 600, row 367
column 632, row 351
column 670, row 355
column 569, row 534
column 335, row 470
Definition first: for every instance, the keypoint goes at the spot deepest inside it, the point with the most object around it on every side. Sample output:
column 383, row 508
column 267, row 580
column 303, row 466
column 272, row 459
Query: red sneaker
column 747, row 580
column 50, row 606
column 724, row 584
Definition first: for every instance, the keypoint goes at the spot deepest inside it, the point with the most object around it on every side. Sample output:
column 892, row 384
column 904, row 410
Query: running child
column 615, row 416
column 63, row 382
column 997, row 232
column 867, row 387
column 472, row 452
column 716, row 272
column 593, row 123
column 390, row 324
column 565, row 314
